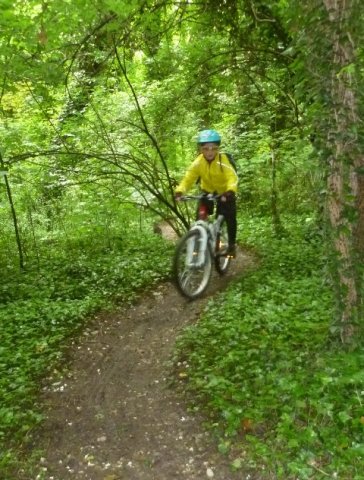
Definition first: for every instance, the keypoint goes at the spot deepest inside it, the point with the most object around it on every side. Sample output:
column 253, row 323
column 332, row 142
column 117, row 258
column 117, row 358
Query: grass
column 285, row 400
column 42, row 308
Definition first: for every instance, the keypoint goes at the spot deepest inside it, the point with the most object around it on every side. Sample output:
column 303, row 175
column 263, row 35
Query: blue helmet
column 207, row 136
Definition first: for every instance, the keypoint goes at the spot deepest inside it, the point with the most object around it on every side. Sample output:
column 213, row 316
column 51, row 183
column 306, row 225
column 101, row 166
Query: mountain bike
column 203, row 245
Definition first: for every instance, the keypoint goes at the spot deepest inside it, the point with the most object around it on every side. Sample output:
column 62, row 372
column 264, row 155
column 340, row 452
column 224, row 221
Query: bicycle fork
column 196, row 248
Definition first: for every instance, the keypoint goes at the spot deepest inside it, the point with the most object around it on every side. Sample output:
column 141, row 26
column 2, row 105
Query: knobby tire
column 191, row 281
column 222, row 261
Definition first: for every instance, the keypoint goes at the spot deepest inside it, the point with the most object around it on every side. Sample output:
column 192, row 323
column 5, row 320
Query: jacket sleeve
column 190, row 178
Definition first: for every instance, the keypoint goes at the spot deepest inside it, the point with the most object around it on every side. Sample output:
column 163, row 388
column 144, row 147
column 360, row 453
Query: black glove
column 226, row 196
column 229, row 194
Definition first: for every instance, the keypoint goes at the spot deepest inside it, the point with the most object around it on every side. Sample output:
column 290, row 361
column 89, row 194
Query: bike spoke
column 192, row 268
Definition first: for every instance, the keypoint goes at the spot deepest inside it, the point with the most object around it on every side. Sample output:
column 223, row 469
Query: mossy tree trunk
column 331, row 40
column 345, row 190
column 330, row 34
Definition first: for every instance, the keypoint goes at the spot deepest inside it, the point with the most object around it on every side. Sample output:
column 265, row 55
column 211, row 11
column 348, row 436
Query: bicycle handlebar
column 207, row 196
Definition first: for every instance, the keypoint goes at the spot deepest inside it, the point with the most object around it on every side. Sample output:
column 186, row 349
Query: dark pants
column 228, row 209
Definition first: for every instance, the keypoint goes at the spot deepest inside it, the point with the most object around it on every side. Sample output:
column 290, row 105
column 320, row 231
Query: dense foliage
column 42, row 309
column 259, row 361
column 100, row 103
column 330, row 69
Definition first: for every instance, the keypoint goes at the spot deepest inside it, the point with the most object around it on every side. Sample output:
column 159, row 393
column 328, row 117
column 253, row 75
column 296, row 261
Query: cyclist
column 216, row 175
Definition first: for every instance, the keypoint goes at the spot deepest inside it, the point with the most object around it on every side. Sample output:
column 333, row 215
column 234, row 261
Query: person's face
column 209, row 151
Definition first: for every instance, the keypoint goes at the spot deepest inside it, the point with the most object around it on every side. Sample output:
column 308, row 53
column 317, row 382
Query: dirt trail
column 114, row 415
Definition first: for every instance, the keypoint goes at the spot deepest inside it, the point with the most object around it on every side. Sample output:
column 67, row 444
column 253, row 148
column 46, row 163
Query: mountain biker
column 216, row 175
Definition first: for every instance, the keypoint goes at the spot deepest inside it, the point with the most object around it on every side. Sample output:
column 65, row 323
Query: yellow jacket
column 217, row 176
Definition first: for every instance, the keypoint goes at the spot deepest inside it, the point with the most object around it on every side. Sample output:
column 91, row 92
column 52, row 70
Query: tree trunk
column 276, row 218
column 345, row 202
column 13, row 214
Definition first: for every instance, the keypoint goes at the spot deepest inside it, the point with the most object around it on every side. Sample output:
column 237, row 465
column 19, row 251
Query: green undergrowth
column 43, row 307
column 285, row 401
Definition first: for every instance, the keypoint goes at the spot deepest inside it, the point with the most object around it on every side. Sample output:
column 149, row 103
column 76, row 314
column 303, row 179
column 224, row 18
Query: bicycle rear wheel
column 222, row 261
column 192, row 267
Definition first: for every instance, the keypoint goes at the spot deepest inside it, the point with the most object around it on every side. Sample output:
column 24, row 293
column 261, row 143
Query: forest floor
column 115, row 415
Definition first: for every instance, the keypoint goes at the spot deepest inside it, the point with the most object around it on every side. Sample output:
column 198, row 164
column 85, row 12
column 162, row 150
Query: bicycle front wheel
column 222, row 261
column 192, row 267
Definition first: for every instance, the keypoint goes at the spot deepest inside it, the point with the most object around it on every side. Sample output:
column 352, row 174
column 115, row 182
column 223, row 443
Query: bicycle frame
column 198, row 249
column 208, row 233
